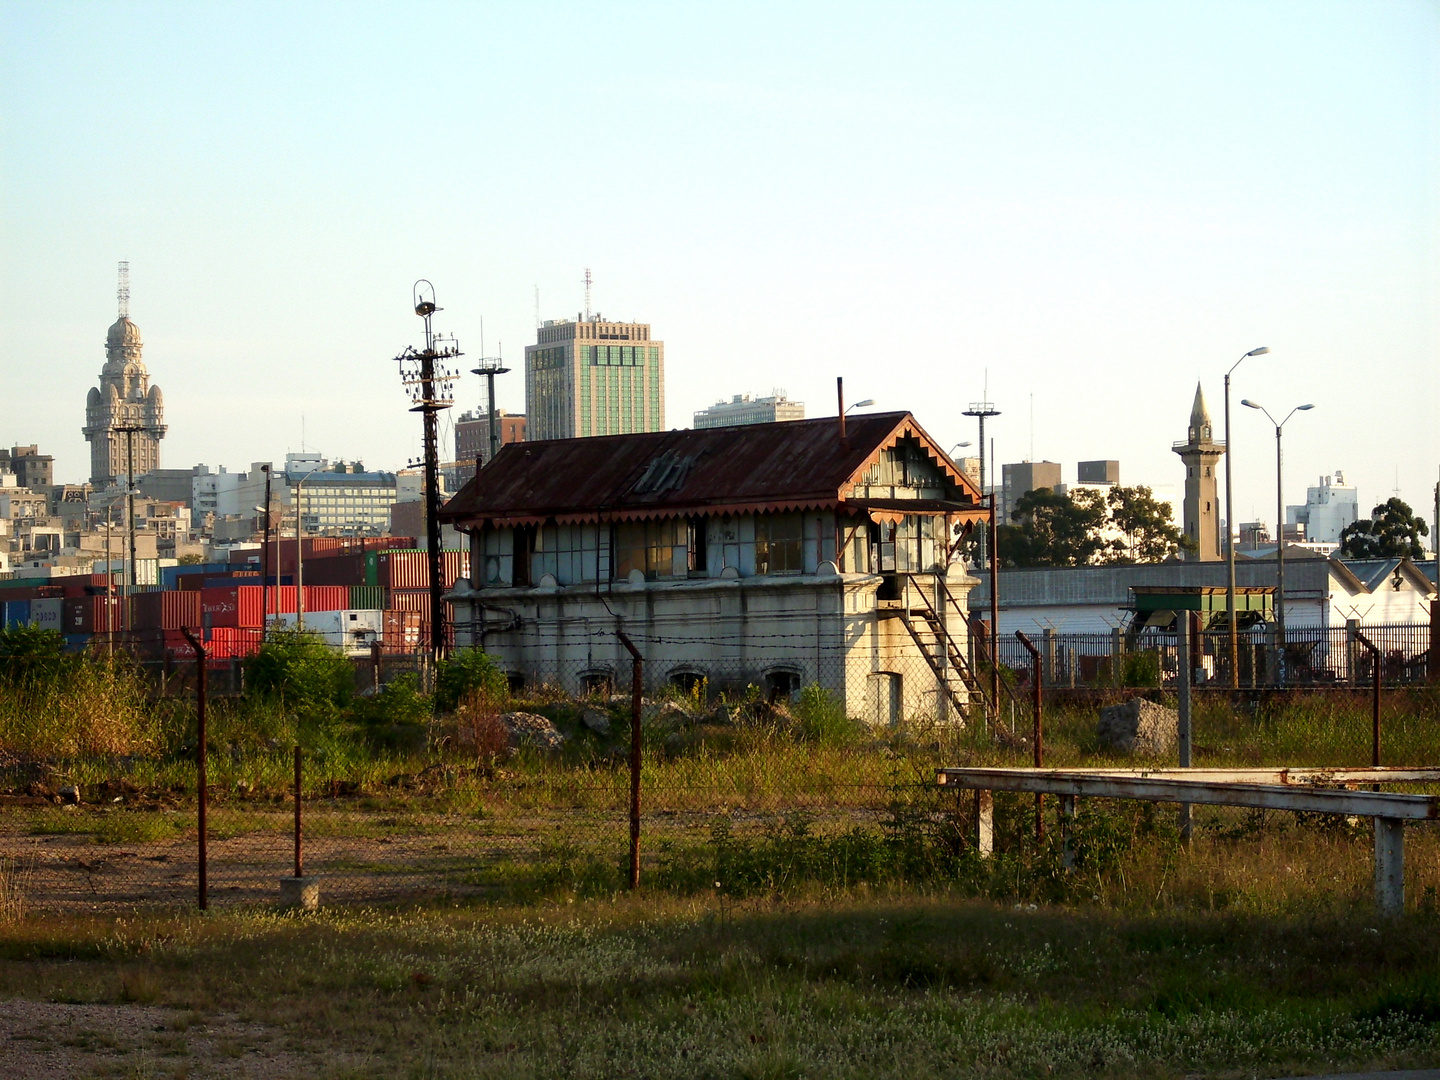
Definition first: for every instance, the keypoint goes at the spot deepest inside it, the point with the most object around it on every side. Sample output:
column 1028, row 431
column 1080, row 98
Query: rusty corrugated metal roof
column 791, row 465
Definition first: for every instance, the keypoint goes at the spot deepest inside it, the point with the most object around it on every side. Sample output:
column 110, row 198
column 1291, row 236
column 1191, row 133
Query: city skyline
column 1097, row 208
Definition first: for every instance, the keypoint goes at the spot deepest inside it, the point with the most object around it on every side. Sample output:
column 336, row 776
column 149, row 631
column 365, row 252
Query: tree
column 1391, row 531
column 1054, row 530
column 1147, row 527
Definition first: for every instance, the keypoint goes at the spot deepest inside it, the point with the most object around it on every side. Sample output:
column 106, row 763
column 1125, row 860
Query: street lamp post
column 1230, row 530
column 1279, row 535
column 300, row 550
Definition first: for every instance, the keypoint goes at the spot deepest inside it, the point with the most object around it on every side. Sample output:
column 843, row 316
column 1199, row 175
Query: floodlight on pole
column 1230, row 529
column 862, row 404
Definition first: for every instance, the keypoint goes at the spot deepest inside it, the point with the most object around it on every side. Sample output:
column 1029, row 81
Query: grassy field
column 807, row 986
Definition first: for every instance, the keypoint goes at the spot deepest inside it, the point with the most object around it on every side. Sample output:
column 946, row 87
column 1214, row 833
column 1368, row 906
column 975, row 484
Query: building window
column 696, row 558
column 648, row 546
column 779, row 544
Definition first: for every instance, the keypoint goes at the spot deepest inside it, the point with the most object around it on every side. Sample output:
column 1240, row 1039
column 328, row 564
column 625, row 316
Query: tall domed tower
column 1200, row 453
column 124, row 407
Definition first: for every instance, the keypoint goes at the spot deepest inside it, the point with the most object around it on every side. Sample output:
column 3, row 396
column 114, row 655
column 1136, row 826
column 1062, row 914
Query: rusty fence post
column 1037, row 677
column 636, row 688
column 202, row 884
column 299, row 862
column 1374, row 652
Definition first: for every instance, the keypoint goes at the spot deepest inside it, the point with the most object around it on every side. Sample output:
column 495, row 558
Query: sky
column 1076, row 209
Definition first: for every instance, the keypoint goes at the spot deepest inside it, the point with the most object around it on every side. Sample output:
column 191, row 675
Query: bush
column 822, row 718
column 466, row 673
column 303, row 673
column 28, row 653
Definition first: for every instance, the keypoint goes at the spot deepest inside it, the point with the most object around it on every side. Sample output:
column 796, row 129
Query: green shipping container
column 367, row 597
column 372, row 568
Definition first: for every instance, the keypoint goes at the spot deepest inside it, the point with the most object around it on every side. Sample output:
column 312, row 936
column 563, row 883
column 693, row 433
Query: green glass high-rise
column 592, row 377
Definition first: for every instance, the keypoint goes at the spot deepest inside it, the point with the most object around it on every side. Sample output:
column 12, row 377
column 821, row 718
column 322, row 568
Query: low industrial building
column 769, row 555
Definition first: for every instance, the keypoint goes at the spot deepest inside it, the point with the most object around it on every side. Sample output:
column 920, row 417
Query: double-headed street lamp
column 1230, row 528
column 1279, row 534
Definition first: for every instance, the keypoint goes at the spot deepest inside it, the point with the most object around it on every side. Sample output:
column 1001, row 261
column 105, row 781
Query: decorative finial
column 122, row 294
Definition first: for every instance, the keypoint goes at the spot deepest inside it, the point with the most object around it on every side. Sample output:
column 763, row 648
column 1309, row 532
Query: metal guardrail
column 1225, row 787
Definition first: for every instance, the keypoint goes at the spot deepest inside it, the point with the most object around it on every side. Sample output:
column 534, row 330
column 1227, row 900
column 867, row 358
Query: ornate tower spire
column 124, row 401
column 1200, row 452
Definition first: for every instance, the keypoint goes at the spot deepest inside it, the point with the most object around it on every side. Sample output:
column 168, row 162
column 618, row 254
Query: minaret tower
column 1200, row 453
column 124, row 399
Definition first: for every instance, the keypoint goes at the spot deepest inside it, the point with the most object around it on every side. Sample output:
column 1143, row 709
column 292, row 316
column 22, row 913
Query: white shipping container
column 46, row 614
column 353, row 631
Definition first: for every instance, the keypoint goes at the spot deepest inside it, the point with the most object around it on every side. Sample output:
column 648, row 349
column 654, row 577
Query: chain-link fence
column 1313, row 656
column 532, row 793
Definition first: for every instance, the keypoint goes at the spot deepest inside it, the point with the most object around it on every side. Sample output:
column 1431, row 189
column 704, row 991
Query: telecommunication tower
column 588, row 282
column 431, row 388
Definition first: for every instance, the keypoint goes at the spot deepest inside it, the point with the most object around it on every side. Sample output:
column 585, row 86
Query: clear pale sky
column 1098, row 203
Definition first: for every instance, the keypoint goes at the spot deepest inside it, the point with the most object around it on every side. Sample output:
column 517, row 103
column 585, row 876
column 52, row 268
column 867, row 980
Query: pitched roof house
column 774, row 555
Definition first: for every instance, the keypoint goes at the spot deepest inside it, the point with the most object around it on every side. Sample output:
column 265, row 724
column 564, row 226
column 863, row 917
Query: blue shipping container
column 17, row 613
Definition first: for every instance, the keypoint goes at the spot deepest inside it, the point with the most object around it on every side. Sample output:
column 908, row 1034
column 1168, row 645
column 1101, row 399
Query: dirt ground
column 46, row 1040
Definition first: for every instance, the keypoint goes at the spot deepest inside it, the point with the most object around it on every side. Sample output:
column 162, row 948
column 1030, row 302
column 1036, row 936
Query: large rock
column 530, row 729
column 1138, row 727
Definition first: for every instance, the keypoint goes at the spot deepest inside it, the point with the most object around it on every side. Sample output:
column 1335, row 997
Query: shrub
column 301, row 671
column 28, row 653
column 465, row 673
column 822, row 717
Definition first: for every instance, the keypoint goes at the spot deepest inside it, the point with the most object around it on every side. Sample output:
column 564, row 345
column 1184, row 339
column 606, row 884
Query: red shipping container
column 411, row 569
column 327, row 597
column 401, row 631
column 239, row 605
column 169, row 610
column 417, row 600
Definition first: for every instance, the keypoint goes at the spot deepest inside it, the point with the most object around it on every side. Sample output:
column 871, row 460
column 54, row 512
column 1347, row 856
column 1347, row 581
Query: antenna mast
column 588, row 282
column 122, row 294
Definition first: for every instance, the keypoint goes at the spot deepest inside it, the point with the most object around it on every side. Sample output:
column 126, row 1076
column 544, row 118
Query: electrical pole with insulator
column 431, row 389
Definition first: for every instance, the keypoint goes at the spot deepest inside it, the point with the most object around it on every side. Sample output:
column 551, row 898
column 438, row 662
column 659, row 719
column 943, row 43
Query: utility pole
column 980, row 410
column 431, row 391
column 129, row 582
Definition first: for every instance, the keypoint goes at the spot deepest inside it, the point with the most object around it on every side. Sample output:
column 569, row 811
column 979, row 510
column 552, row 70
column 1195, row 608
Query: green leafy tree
column 1054, row 530
column 1391, row 531
column 1147, row 527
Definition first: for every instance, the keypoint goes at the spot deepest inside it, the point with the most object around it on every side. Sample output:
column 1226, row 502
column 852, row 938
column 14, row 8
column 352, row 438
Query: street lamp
column 1279, row 534
column 300, row 550
column 1230, row 529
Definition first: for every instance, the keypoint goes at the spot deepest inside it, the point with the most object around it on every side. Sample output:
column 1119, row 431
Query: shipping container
column 17, row 613
column 239, row 605
column 352, row 631
column 326, row 597
column 171, row 575
column 47, row 614
column 411, row 569
column 417, row 600
column 365, row 597
column 342, row 569
column 401, row 633
column 166, row 610
column 91, row 615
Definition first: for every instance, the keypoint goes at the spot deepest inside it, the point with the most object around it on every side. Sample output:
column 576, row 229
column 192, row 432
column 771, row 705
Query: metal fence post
column 299, row 862
column 1185, row 674
column 1037, row 677
column 636, row 691
column 1375, row 674
column 200, row 693
column 1117, row 657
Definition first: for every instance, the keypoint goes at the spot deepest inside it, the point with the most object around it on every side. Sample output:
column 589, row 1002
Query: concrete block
column 300, row 892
